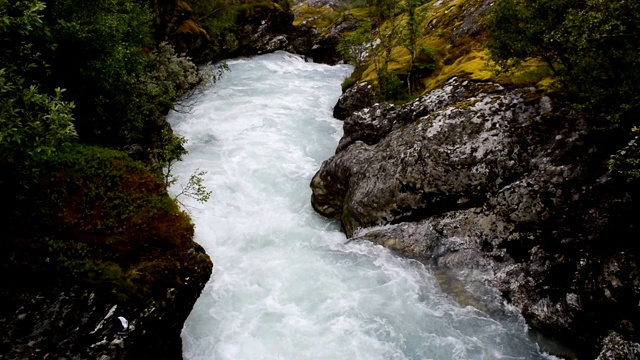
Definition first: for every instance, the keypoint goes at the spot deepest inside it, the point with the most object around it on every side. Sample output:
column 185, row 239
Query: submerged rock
column 507, row 181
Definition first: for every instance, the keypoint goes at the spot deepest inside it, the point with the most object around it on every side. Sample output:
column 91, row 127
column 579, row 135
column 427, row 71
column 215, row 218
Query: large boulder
column 447, row 160
column 355, row 98
column 505, row 180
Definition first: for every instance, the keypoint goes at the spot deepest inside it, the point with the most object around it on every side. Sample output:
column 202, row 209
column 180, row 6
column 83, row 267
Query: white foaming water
column 285, row 286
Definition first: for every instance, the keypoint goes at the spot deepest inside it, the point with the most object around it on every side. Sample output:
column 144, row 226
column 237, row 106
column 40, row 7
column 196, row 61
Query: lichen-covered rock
column 616, row 347
column 371, row 123
column 507, row 181
column 447, row 160
column 355, row 98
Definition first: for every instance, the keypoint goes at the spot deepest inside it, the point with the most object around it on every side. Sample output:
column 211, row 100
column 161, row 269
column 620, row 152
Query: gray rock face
column 371, row 124
column 506, row 181
column 470, row 24
column 355, row 98
column 438, row 162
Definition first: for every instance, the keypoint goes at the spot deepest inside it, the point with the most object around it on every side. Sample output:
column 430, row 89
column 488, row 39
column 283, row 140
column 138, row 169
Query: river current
column 285, row 284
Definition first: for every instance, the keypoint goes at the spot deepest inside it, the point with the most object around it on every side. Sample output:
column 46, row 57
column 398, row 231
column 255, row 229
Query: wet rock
column 324, row 49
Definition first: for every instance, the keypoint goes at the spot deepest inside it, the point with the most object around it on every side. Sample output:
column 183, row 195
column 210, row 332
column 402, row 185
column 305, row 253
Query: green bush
column 98, row 58
column 90, row 216
column 593, row 49
column 592, row 46
column 33, row 124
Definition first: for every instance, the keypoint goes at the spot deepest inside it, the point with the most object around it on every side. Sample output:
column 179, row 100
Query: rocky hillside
column 508, row 181
column 495, row 174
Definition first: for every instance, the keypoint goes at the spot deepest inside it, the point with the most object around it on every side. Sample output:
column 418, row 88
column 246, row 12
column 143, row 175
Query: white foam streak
column 285, row 285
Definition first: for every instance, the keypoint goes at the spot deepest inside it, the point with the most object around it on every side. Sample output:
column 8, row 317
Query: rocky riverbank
column 509, row 182
column 82, row 322
column 99, row 247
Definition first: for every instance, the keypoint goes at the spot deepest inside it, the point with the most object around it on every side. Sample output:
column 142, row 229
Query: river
column 285, row 284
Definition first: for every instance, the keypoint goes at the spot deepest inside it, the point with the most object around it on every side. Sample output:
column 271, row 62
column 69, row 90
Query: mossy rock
column 95, row 216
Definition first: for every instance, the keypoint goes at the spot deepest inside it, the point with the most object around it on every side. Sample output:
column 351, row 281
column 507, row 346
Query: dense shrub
column 33, row 124
column 73, row 213
column 91, row 216
column 593, row 48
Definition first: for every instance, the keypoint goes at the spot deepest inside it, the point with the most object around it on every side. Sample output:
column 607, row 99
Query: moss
column 99, row 218
column 184, row 6
column 318, row 17
column 191, row 28
column 466, row 56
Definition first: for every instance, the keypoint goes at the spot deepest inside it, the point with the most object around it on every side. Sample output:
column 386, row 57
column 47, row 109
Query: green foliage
column 98, row 59
column 354, row 47
column 171, row 152
column 24, row 39
column 395, row 89
column 593, row 48
column 218, row 17
column 194, row 189
column 32, row 124
column 76, row 213
column 91, row 216
column 389, row 24
column 385, row 28
column 424, row 62
column 521, row 29
column 349, row 82
column 410, row 32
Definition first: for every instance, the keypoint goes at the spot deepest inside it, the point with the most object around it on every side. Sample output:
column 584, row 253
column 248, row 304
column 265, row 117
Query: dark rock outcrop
column 507, row 181
column 320, row 44
column 81, row 322
column 263, row 28
column 615, row 347
column 355, row 98
column 99, row 238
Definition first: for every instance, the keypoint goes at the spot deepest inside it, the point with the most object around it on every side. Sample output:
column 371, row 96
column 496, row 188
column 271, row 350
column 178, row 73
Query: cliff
column 510, row 182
